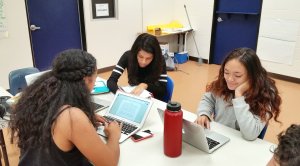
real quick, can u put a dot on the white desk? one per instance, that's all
(150, 151)
(183, 32)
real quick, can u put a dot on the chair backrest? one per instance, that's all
(17, 81)
(170, 88)
(263, 132)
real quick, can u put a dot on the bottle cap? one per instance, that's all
(173, 106)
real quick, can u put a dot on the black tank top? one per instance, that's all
(52, 156)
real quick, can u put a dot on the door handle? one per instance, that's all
(33, 27)
(219, 19)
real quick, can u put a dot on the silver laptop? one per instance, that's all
(195, 135)
(130, 110)
(100, 104)
(32, 77)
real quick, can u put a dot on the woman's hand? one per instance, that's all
(100, 120)
(113, 130)
(203, 120)
(241, 89)
(139, 89)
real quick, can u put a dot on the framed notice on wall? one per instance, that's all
(103, 9)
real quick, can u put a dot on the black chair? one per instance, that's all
(17, 80)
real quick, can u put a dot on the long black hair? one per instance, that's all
(41, 102)
(150, 44)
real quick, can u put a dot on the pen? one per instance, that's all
(120, 88)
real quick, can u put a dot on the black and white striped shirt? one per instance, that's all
(157, 88)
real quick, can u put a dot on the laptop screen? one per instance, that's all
(129, 108)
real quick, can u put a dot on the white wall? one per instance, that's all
(157, 12)
(287, 10)
(107, 39)
(16, 49)
(200, 13)
(160, 12)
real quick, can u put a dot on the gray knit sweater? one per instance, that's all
(236, 115)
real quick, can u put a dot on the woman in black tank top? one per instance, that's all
(53, 121)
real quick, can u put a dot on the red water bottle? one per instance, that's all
(173, 129)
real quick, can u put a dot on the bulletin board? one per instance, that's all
(103, 9)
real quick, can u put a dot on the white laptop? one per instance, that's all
(130, 110)
(32, 77)
(195, 135)
(100, 104)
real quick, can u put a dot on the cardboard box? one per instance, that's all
(181, 57)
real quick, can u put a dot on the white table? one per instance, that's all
(237, 151)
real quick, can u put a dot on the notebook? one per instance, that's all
(195, 135)
(99, 87)
(130, 110)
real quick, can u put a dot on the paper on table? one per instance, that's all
(144, 94)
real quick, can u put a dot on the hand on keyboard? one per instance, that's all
(126, 127)
(112, 130)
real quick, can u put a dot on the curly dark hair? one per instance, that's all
(150, 44)
(41, 102)
(287, 152)
(262, 95)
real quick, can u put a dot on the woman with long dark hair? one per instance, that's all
(54, 122)
(145, 66)
(243, 97)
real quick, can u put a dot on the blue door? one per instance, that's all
(235, 24)
(55, 26)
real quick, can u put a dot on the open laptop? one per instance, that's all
(32, 77)
(130, 110)
(195, 135)
(100, 104)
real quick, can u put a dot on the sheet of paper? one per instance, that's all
(144, 94)
(102, 9)
(98, 79)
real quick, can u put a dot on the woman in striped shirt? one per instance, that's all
(145, 66)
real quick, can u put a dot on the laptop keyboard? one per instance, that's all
(98, 107)
(212, 143)
(126, 127)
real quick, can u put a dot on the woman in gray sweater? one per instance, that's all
(243, 97)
